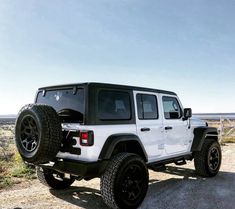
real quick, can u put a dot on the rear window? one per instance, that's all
(114, 105)
(69, 103)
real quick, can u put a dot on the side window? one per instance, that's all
(147, 106)
(114, 105)
(171, 108)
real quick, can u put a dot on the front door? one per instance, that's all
(176, 130)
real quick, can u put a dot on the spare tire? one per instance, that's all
(38, 133)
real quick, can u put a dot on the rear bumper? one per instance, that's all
(86, 170)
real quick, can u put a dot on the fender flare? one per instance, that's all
(114, 139)
(202, 133)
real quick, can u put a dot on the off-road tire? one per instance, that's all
(46, 177)
(115, 179)
(40, 123)
(201, 159)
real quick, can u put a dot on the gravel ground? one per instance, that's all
(176, 188)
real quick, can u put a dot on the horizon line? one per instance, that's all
(211, 113)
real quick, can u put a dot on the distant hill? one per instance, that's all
(215, 116)
(7, 119)
(8, 116)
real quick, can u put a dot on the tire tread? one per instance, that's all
(107, 186)
(51, 132)
(200, 159)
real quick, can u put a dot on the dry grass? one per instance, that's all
(12, 168)
(228, 137)
(228, 140)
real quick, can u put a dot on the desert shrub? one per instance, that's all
(22, 170)
(5, 182)
(6, 139)
(12, 167)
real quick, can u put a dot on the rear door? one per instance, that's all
(149, 123)
(176, 130)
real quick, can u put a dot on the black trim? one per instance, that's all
(200, 135)
(177, 160)
(168, 127)
(68, 148)
(113, 140)
(86, 170)
(91, 91)
(145, 129)
(107, 85)
(68, 142)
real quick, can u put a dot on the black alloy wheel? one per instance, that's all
(213, 158)
(131, 184)
(29, 135)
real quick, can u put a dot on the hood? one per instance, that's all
(197, 122)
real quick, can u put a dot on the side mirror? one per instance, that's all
(187, 113)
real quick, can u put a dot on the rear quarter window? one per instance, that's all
(114, 105)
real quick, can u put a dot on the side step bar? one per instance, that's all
(180, 162)
(160, 165)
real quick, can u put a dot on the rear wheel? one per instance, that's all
(207, 161)
(53, 179)
(125, 181)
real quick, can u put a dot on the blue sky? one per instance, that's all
(184, 46)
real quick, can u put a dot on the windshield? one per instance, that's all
(68, 103)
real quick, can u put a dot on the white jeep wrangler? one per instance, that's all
(115, 132)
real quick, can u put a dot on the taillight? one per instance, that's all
(86, 138)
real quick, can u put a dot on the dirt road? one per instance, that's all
(176, 188)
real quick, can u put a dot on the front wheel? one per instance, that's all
(53, 179)
(207, 161)
(125, 181)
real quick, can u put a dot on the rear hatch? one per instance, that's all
(68, 101)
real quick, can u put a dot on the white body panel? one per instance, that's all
(179, 138)
(153, 140)
(158, 143)
(101, 133)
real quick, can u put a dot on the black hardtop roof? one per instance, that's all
(119, 86)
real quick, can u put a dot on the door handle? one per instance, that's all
(168, 128)
(145, 129)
